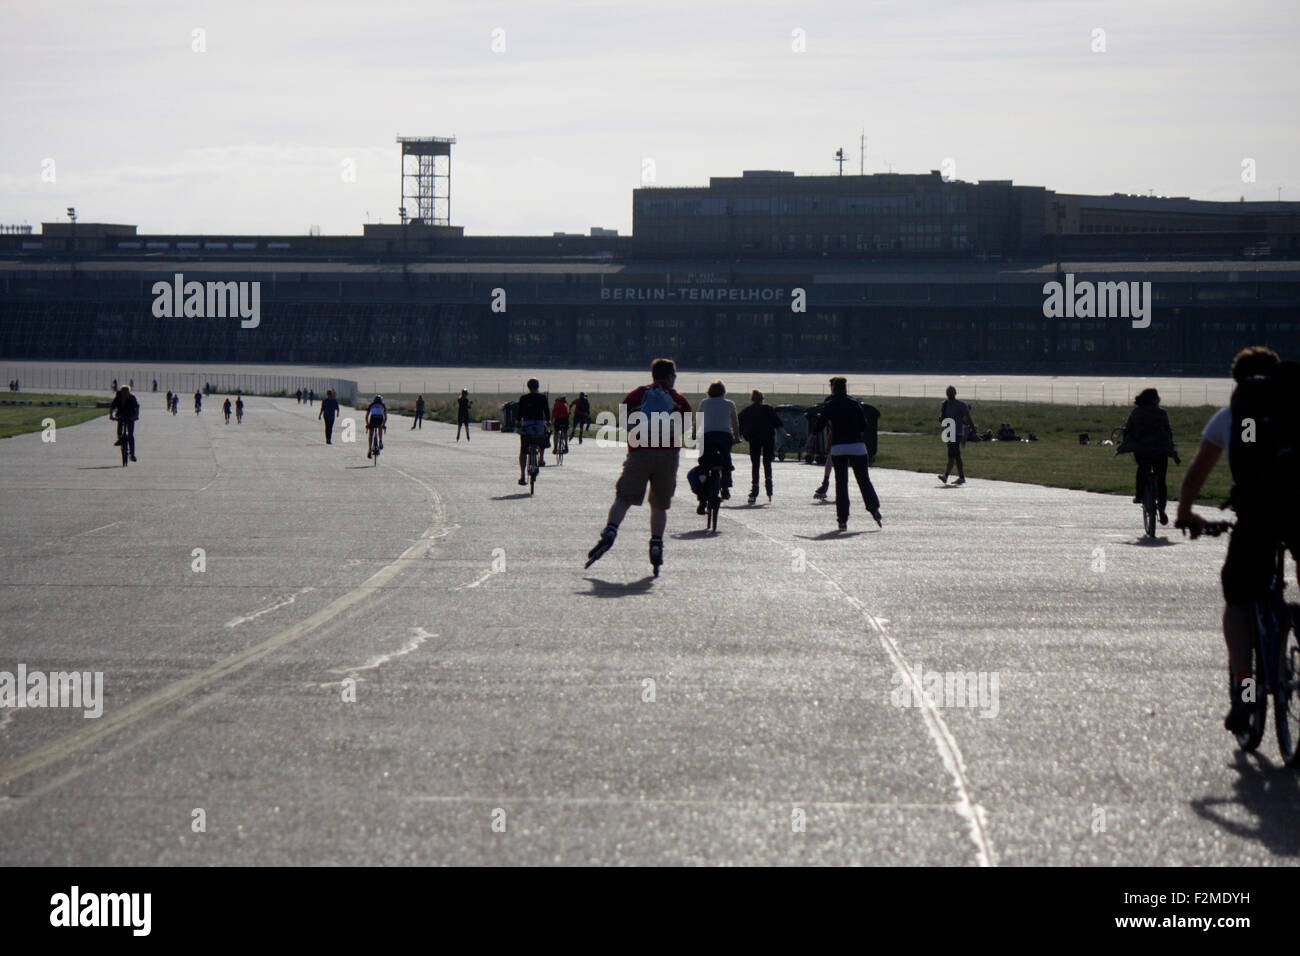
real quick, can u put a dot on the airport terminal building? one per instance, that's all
(765, 270)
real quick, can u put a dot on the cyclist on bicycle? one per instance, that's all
(560, 420)
(581, 415)
(721, 431)
(1148, 436)
(125, 409)
(1266, 515)
(376, 418)
(534, 416)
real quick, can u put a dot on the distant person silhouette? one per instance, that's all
(419, 414)
(462, 413)
(329, 410)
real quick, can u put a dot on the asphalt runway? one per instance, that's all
(752, 705)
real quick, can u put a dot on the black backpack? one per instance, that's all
(1264, 444)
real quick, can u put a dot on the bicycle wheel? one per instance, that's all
(1250, 739)
(1286, 694)
(715, 500)
(1149, 508)
(121, 436)
(532, 469)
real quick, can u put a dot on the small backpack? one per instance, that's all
(1264, 444)
(656, 398)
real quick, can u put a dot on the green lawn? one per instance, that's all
(1056, 459)
(19, 419)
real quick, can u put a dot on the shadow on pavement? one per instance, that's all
(1151, 542)
(692, 535)
(828, 535)
(1267, 791)
(520, 494)
(615, 589)
(97, 467)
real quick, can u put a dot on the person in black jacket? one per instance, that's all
(759, 424)
(849, 432)
(125, 408)
(1149, 437)
(462, 413)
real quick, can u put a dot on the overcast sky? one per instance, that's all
(251, 135)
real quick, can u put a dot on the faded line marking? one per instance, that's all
(474, 584)
(110, 724)
(103, 527)
(945, 743)
(267, 610)
(421, 635)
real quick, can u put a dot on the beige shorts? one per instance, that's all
(658, 468)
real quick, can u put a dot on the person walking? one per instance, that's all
(239, 410)
(649, 461)
(849, 432)
(419, 414)
(298, 395)
(955, 421)
(462, 413)
(225, 408)
(329, 410)
(759, 424)
(198, 401)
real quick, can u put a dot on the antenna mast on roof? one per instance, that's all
(839, 158)
(862, 154)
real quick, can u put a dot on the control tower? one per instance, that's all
(426, 180)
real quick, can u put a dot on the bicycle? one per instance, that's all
(561, 446)
(122, 440)
(376, 443)
(1275, 660)
(712, 498)
(533, 467)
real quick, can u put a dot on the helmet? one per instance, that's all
(379, 399)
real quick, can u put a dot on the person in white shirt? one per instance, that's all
(718, 420)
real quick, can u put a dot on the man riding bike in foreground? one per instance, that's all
(1267, 514)
(125, 409)
(534, 416)
(376, 417)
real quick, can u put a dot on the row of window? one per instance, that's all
(800, 205)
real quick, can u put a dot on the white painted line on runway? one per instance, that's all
(100, 528)
(944, 742)
(474, 584)
(132, 714)
(421, 635)
(267, 610)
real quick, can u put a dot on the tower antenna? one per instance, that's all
(839, 158)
